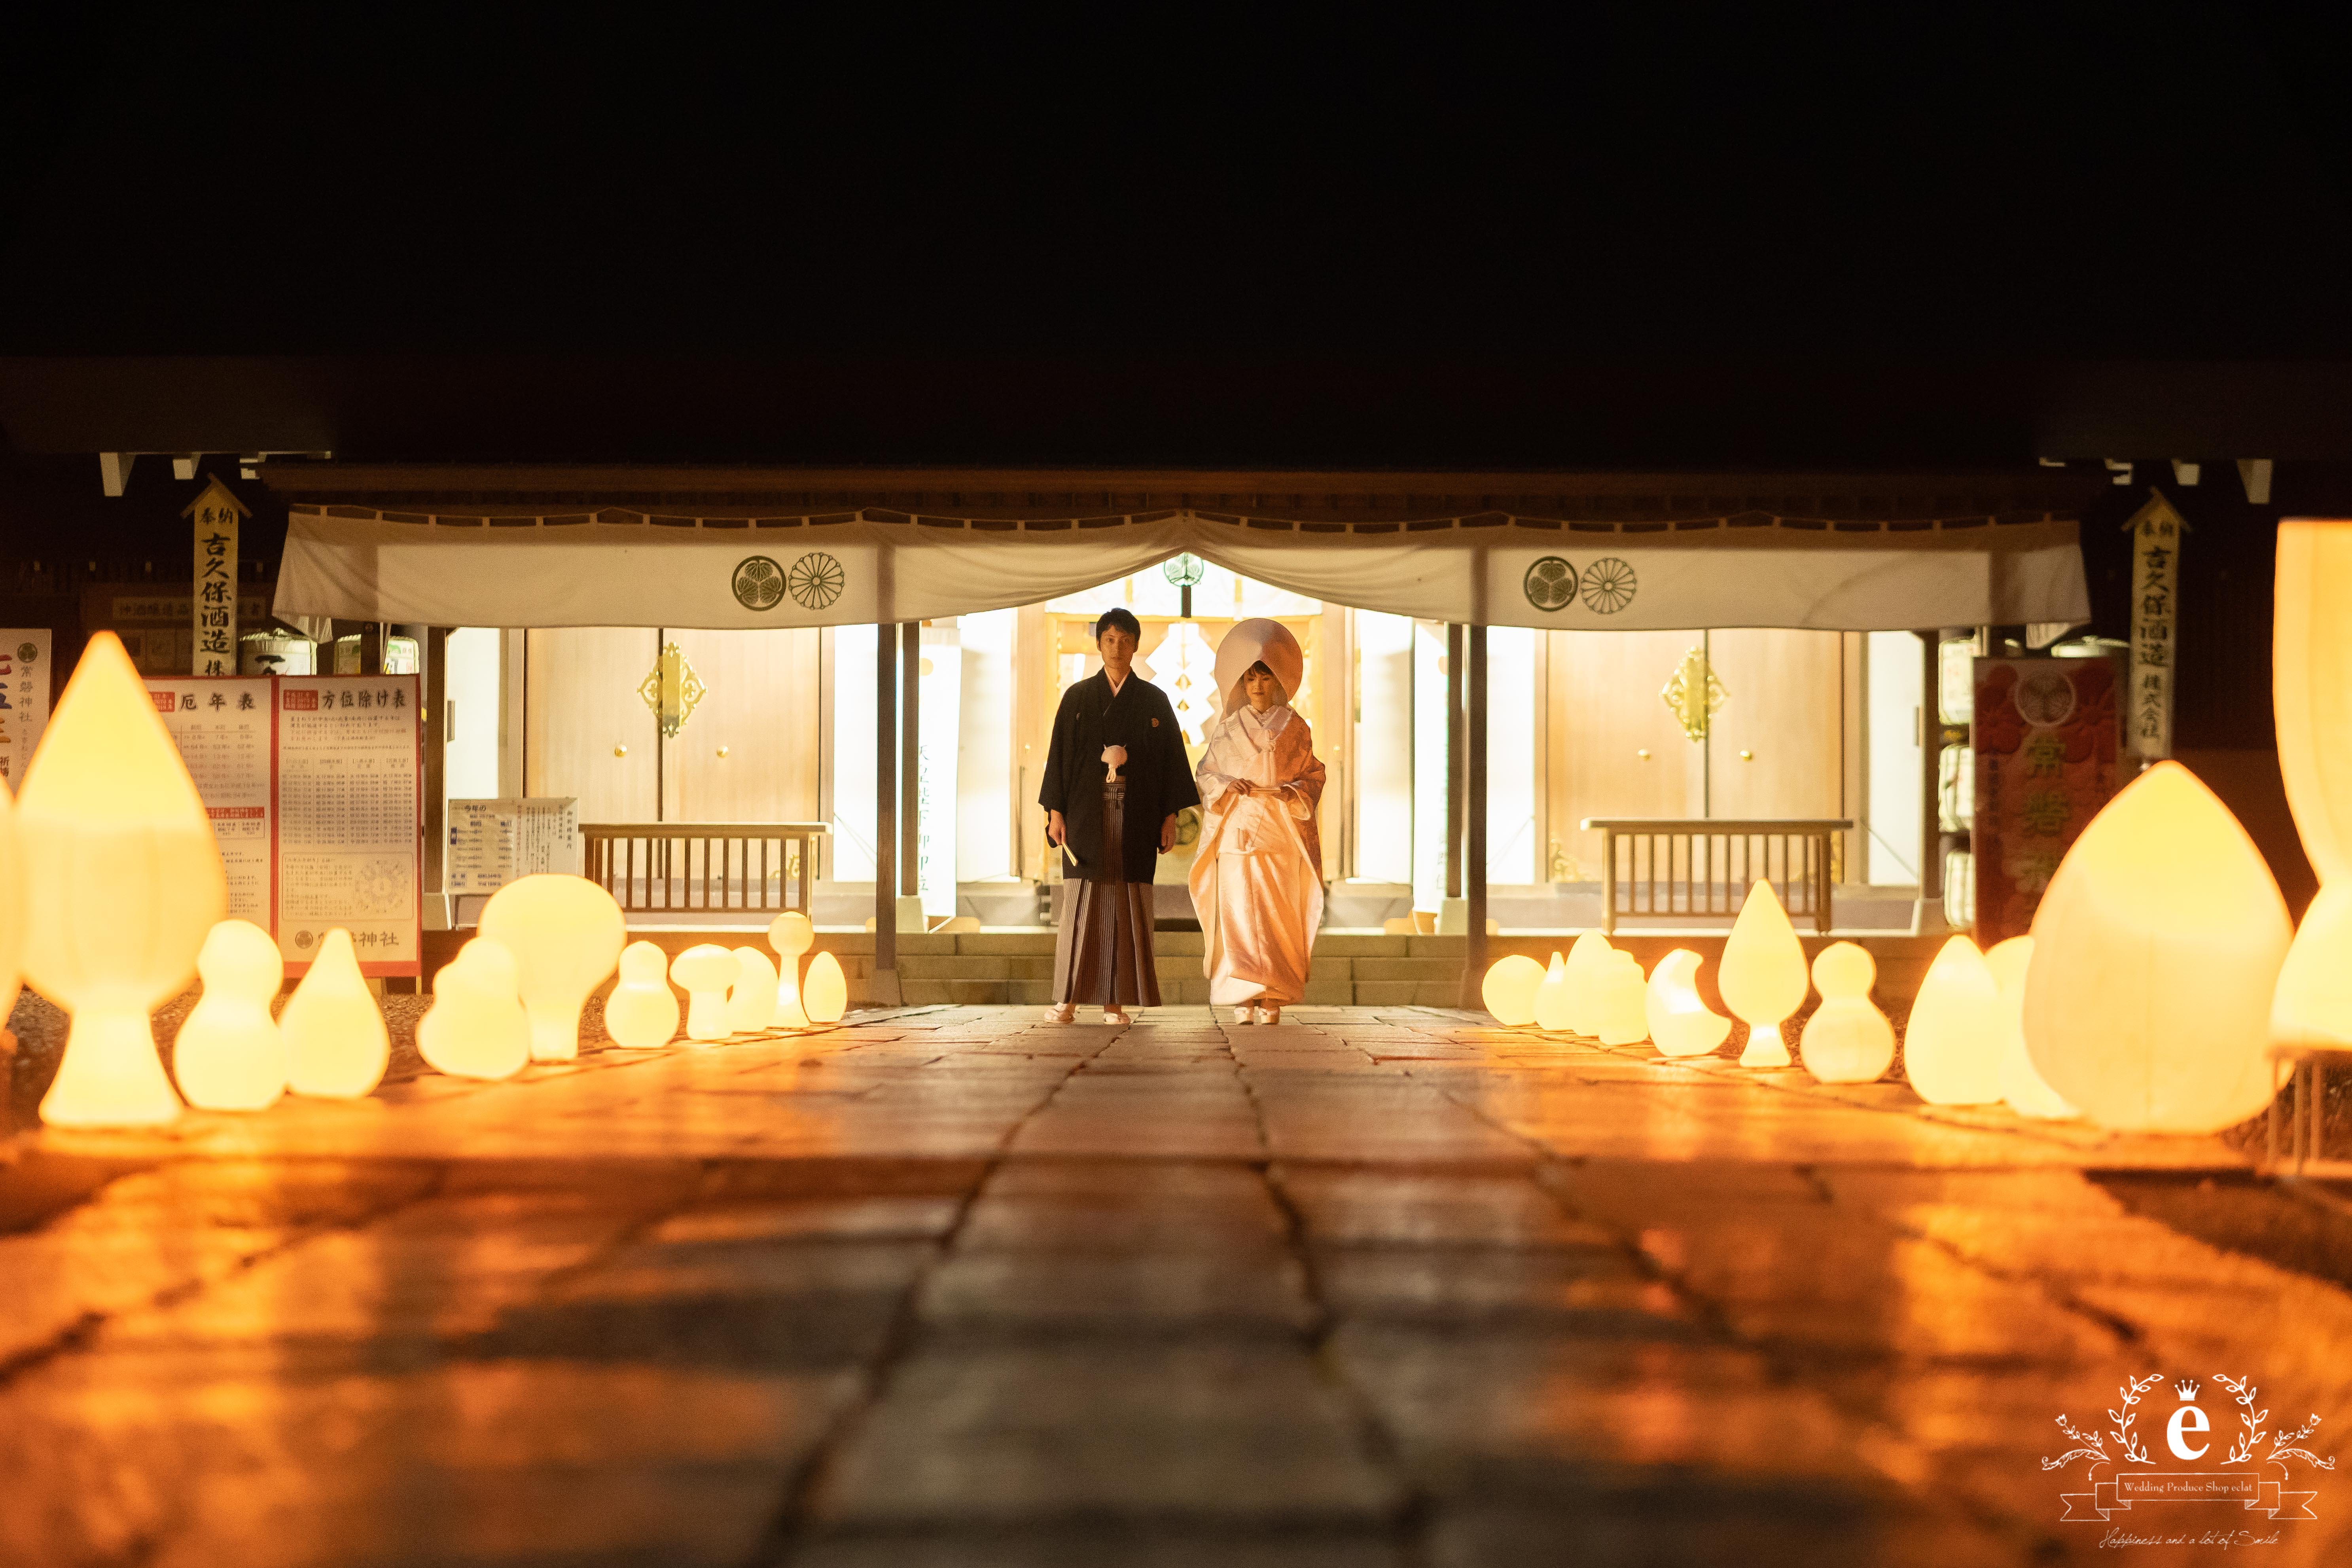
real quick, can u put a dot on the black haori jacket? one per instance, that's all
(1158, 779)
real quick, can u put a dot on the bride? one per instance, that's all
(1257, 874)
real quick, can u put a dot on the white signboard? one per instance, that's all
(214, 515)
(493, 842)
(2158, 532)
(349, 791)
(228, 731)
(24, 698)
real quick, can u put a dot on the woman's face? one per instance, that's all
(1260, 687)
(1118, 646)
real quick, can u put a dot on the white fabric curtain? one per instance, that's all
(1511, 574)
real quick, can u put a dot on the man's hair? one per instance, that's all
(1124, 619)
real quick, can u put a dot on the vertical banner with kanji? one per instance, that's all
(2157, 533)
(24, 698)
(214, 515)
(2047, 759)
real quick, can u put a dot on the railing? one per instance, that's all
(1700, 867)
(748, 866)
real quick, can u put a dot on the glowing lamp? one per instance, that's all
(1762, 975)
(2311, 687)
(642, 1010)
(1680, 1024)
(336, 1043)
(229, 1055)
(1509, 990)
(752, 1005)
(790, 934)
(1588, 960)
(477, 1026)
(2157, 951)
(1552, 998)
(566, 933)
(1951, 1045)
(704, 973)
(2021, 1085)
(1624, 1015)
(1847, 1039)
(120, 860)
(825, 994)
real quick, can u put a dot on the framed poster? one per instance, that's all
(24, 698)
(2048, 740)
(227, 731)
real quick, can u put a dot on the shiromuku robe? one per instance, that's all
(1257, 871)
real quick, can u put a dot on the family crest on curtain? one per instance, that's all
(1257, 872)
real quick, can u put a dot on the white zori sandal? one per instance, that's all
(1270, 1014)
(1067, 1013)
(1114, 1016)
(1241, 1014)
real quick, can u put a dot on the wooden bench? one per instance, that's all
(1700, 867)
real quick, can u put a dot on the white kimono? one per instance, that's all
(1257, 873)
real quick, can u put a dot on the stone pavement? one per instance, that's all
(953, 1287)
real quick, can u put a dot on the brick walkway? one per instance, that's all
(950, 1286)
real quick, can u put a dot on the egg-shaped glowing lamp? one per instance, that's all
(2157, 952)
(477, 1026)
(2021, 1085)
(12, 907)
(1552, 998)
(566, 933)
(1681, 1023)
(119, 862)
(1625, 1000)
(790, 934)
(229, 1055)
(1762, 975)
(2311, 689)
(752, 1005)
(336, 1044)
(704, 971)
(641, 1011)
(1952, 1043)
(824, 993)
(1509, 989)
(1588, 960)
(1847, 1039)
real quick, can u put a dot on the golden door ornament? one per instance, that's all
(672, 690)
(1695, 695)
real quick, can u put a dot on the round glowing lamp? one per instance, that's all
(1509, 990)
(1847, 1039)
(566, 935)
(642, 1010)
(752, 1005)
(2157, 952)
(1681, 1023)
(1762, 975)
(336, 1044)
(1624, 995)
(2311, 687)
(1952, 1043)
(790, 934)
(120, 860)
(825, 994)
(1588, 962)
(2021, 1085)
(477, 1026)
(1552, 998)
(229, 1055)
(704, 972)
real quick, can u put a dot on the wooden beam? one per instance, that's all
(885, 810)
(911, 766)
(1474, 963)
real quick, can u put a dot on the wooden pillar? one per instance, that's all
(910, 774)
(434, 721)
(1473, 965)
(1454, 791)
(885, 813)
(1931, 755)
